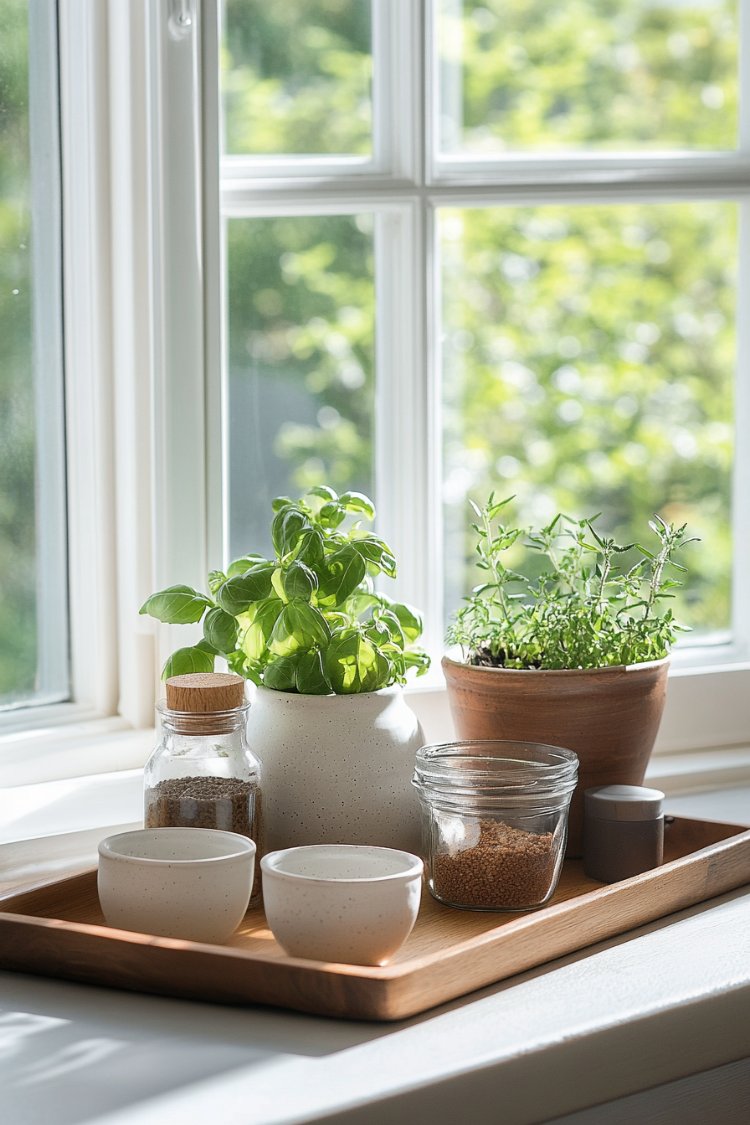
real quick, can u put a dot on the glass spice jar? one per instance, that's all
(494, 819)
(203, 773)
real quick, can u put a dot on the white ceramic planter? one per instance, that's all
(337, 769)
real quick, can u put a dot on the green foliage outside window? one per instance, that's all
(589, 351)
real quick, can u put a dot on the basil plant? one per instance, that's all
(308, 620)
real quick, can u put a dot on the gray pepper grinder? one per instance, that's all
(623, 831)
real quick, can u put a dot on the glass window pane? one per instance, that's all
(520, 75)
(33, 576)
(589, 356)
(301, 344)
(297, 77)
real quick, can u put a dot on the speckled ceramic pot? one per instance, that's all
(337, 768)
(191, 883)
(340, 902)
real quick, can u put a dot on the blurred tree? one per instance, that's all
(297, 77)
(589, 351)
(588, 366)
(603, 74)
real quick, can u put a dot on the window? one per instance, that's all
(556, 192)
(33, 551)
(424, 248)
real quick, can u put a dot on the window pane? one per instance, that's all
(589, 356)
(33, 579)
(301, 343)
(297, 77)
(602, 74)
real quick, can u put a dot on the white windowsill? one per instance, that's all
(688, 758)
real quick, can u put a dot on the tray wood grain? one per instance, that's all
(57, 930)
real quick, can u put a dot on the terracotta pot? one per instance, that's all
(337, 769)
(608, 716)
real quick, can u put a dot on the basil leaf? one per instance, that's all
(354, 664)
(324, 492)
(376, 551)
(360, 602)
(281, 674)
(250, 669)
(287, 527)
(299, 581)
(197, 658)
(298, 626)
(310, 548)
(409, 619)
(262, 618)
(341, 661)
(310, 622)
(387, 619)
(331, 515)
(220, 630)
(177, 605)
(357, 502)
(216, 578)
(242, 565)
(416, 659)
(344, 570)
(310, 676)
(238, 594)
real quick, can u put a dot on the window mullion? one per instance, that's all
(178, 284)
(87, 282)
(407, 484)
(214, 295)
(403, 440)
(741, 473)
(52, 578)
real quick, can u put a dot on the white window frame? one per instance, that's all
(108, 374)
(415, 185)
(46, 343)
(85, 325)
(143, 330)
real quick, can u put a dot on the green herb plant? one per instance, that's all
(307, 620)
(589, 607)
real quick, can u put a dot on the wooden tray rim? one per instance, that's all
(529, 919)
(392, 992)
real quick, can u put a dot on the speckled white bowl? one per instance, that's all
(341, 902)
(191, 883)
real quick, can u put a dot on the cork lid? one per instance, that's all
(204, 692)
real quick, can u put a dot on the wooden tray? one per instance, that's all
(57, 930)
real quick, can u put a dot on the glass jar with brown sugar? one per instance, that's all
(494, 818)
(203, 773)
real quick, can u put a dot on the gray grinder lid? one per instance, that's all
(623, 802)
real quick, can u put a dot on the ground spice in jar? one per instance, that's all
(226, 803)
(507, 868)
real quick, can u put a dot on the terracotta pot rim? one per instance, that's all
(562, 673)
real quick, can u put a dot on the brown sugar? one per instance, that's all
(507, 868)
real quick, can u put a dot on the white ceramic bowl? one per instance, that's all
(341, 902)
(191, 883)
